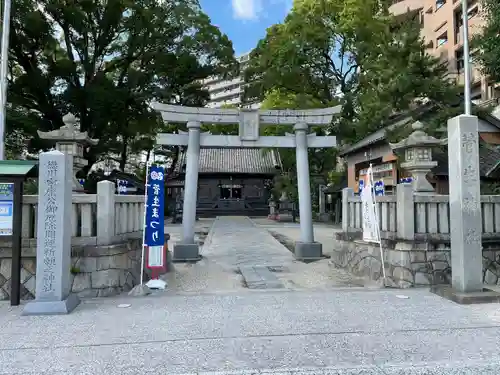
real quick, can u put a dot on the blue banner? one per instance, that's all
(154, 234)
(122, 186)
(406, 180)
(379, 188)
(361, 186)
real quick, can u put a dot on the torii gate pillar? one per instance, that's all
(249, 121)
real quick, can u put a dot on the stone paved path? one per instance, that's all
(240, 254)
(236, 242)
(202, 277)
(316, 275)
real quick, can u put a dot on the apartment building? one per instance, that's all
(442, 30)
(228, 92)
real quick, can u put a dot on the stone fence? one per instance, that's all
(106, 244)
(415, 233)
(97, 219)
(408, 216)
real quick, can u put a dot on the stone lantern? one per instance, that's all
(71, 141)
(418, 161)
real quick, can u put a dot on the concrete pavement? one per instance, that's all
(343, 331)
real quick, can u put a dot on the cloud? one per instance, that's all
(252, 10)
(246, 9)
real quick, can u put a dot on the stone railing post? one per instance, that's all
(405, 208)
(105, 212)
(346, 194)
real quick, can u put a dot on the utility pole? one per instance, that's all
(4, 62)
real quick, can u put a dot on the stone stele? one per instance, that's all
(53, 253)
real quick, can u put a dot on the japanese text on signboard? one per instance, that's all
(6, 209)
(155, 231)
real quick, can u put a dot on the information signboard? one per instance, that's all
(6, 209)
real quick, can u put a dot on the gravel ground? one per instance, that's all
(228, 248)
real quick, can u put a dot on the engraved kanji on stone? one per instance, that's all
(469, 141)
(472, 236)
(48, 281)
(470, 205)
(51, 168)
(470, 173)
(50, 222)
(50, 262)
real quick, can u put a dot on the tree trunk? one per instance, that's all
(175, 159)
(123, 154)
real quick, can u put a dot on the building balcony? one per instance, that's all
(400, 7)
(220, 85)
(225, 94)
(220, 103)
(474, 78)
(475, 25)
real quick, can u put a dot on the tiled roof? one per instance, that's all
(395, 121)
(489, 159)
(404, 119)
(235, 160)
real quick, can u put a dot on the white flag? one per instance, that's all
(370, 219)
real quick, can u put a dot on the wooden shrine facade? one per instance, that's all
(232, 181)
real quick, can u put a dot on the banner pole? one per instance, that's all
(144, 221)
(377, 226)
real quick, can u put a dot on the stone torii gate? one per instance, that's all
(249, 122)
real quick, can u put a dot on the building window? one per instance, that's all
(442, 39)
(472, 12)
(440, 3)
(230, 193)
(459, 58)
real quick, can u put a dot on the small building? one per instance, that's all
(231, 181)
(375, 150)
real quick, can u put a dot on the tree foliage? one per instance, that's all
(488, 41)
(105, 62)
(321, 160)
(354, 52)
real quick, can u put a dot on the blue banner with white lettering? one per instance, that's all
(361, 185)
(155, 226)
(122, 186)
(406, 180)
(379, 188)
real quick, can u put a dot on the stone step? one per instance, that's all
(260, 277)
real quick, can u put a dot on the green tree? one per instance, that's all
(321, 161)
(487, 41)
(354, 52)
(105, 62)
(225, 129)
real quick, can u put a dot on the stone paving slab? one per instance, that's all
(204, 276)
(260, 277)
(235, 241)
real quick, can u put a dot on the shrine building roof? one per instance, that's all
(234, 160)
